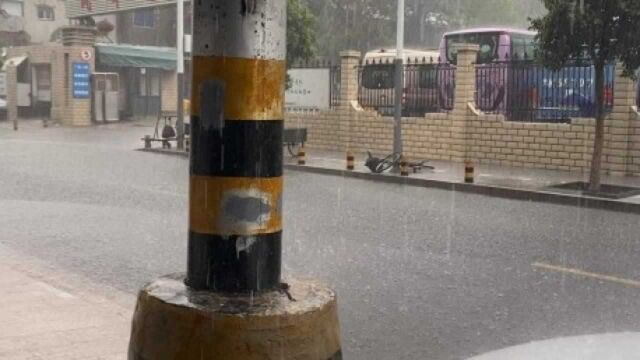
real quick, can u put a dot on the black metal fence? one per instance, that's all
(526, 91)
(335, 85)
(428, 86)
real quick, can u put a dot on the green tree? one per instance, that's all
(605, 31)
(301, 38)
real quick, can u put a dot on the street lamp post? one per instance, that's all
(399, 84)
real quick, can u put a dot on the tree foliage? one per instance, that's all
(603, 31)
(301, 38)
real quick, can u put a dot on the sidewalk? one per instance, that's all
(492, 180)
(489, 177)
(46, 314)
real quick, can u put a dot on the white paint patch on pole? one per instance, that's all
(253, 29)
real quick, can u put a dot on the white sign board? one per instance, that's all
(24, 94)
(309, 91)
(3, 84)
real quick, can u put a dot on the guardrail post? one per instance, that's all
(232, 303)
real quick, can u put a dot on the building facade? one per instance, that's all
(42, 18)
(144, 55)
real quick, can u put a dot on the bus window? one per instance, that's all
(517, 47)
(488, 42)
(522, 46)
(378, 76)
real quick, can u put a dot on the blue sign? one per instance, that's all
(81, 80)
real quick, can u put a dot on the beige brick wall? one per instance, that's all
(64, 108)
(487, 139)
(73, 112)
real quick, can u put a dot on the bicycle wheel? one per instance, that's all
(387, 163)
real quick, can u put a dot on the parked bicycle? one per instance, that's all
(380, 165)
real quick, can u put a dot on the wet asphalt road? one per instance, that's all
(421, 273)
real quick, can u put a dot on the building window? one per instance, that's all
(144, 18)
(45, 13)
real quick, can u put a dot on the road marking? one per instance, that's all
(587, 274)
(55, 291)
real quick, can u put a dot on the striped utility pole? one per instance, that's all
(235, 213)
(232, 303)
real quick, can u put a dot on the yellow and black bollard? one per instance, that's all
(302, 156)
(232, 303)
(469, 172)
(351, 161)
(404, 166)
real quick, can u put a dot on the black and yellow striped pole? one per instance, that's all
(235, 212)
(351, 161)
(302, 156)
(469, 171)
(232, 303)
(404, 166)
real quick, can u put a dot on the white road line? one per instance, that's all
(587, 274)
(55, 291)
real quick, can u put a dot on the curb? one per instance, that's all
(171, 152)
(489, 190)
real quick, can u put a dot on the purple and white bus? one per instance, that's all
(526, 90)
(496, 44)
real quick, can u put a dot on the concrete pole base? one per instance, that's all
(172, 322)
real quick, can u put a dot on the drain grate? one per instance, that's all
(606, 191)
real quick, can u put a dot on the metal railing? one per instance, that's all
(335, 85)
(428, 87)
(526, 91)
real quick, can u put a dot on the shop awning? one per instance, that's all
(15, 61)
(136, 56)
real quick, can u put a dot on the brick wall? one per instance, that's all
(64, 108)
(464, 133)
(634, 148)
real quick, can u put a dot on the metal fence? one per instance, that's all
(428, 87)
(526, 91)
(335, 85)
